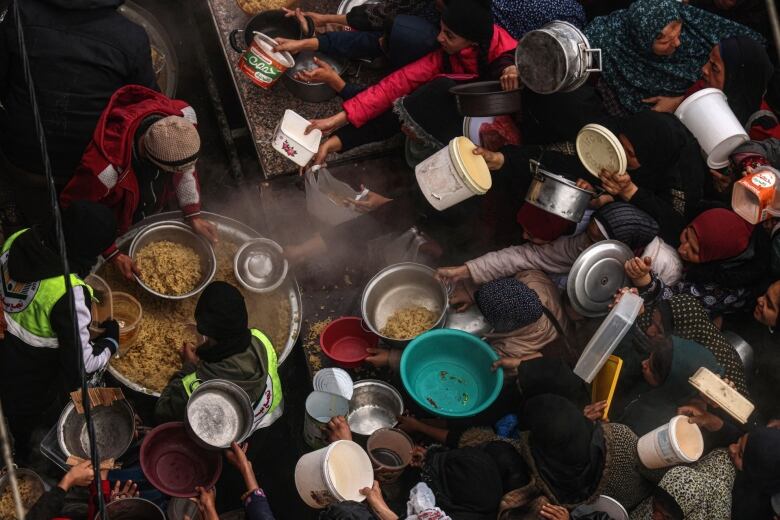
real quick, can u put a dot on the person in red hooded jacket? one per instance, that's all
(472, 47)
(142, 154)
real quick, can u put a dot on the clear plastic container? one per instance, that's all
(607, 336)
(128, 313)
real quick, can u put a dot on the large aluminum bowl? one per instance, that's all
(260, 266)
(40, 487)
(179, 233)
(401, 286)
(114, 430)
(131, 508)
(218, 413)
(374, 405)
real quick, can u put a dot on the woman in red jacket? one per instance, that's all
(472, 47)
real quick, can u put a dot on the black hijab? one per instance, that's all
(658, 139)
(760, 475)
(221, 315)
(747, 74)
(547, 375)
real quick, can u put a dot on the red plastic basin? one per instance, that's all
(346, 342)
(175, 465)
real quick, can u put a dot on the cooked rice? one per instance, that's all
(258, 6)
(30, 490)
(169, 268)
(154, 358)
(408, 323)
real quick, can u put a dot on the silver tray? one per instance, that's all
(235, 231)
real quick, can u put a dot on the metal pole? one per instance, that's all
(771, 11)
(9, 464)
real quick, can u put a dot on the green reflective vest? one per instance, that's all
(28, 305)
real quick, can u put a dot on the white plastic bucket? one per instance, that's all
(453, 174)
(709, 118)
(676, 442)
(321, 407)
(290, 140)
(333, 474)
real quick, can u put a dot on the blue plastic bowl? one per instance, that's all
(447, 372)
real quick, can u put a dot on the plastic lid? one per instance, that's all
(475, 169)
(334, 381)
(599, 149)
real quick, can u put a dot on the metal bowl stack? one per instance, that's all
(218, 413)
(114, 430)
(260, 265)
(179, 233)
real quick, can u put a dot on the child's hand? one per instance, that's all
(638, 270)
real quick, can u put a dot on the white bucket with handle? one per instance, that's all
(333, 474)
(321, 407)
(710, 119)
(676, 442)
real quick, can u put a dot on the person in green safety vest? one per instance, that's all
(38, 363)
(232, 351)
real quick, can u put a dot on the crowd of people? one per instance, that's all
(119, 150)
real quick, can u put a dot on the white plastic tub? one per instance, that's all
(709, 118)
(333, 474)
(290, 140)
(321, 407)
(676, 442)
(453, 174)
(607, 336)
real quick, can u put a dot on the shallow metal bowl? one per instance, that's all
(40, 486)
(132, 508)
(180, 233)
(374, 405)
(114, 430)
(218, 413)
(260, 265)
(398, 287)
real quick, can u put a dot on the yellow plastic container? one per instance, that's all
(605, 382)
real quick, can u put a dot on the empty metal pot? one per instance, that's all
(311, 92)
(486, 98)
(557, 195)
(374, 405)
(114, 430)
(218, 413)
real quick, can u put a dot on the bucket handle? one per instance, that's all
(590, 53)
(233, 39)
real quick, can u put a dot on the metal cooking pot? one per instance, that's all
(556, 58)
(399, 286)
(273, 24)
(132, 508)
(219, 412)
(557, 195)
(311, 92)
(5, 480)
(114, 430)
(374, 405)
(485, 98)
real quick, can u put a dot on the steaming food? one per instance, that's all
(258, 6)
(154, 358)
(408, 322)
(169, 268)
(29, 488)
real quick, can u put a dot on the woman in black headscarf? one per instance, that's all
(756, 456)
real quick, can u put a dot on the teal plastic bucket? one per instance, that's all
(447, 372)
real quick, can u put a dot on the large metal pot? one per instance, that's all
(273, 24)
(114, 430)
(218, 413)
(38, 484)
(556, 58)
(311, 92)
(374, 405)
(486, 98)
(557, 195)
(132, 508)
(401, 286)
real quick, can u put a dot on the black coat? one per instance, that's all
(81, 52)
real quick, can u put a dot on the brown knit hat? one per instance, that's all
(172, 143)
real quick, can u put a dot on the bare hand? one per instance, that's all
(188, 353)
(664, 103)
(338, 429)
(460, 299)
(509, 365)
(553, 512)
(453, 275)
(409, 424)
(205, 228)
(327, 125)
(585, 185)
(510, 79)
(294, 46)
(720, 182)
(494, 160)
(298, 14)
(125, 265)
(595, 411)
(418, 456)
(619, 296)
(378, 357)
(701, 417)
(618, 184)
(80, 475)
(368, 203)
(206, 500)
(236, 456)
(638, 270)
(374, 496)
(323, 73)
(128, 490)
(332, 144)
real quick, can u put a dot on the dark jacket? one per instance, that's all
(80, 52)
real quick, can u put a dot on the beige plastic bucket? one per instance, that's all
(390, 451)
(453, 174)
(333, 474)
(677, 442)
(321, 407)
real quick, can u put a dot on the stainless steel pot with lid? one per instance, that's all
(557, 195)
(556, 58)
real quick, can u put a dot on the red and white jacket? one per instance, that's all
(106, 174)
(379, 98)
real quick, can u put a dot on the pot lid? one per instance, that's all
(334, 381)
(475, 168)
(599, 149)
(595, 277)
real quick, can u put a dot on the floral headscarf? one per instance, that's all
(626, 38)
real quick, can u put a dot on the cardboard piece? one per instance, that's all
(97, 397)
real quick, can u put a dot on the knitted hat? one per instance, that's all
(626, 223)
(542, 224)
(469, 19)
(508, 304)
(722, 234)
(172, 143)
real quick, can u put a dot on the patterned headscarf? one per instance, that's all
(626, 38)
(520, 16)
(626, 223)
(508, 304)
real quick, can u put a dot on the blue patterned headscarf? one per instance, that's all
(626, 38)
(521, 16)
(508, 304)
